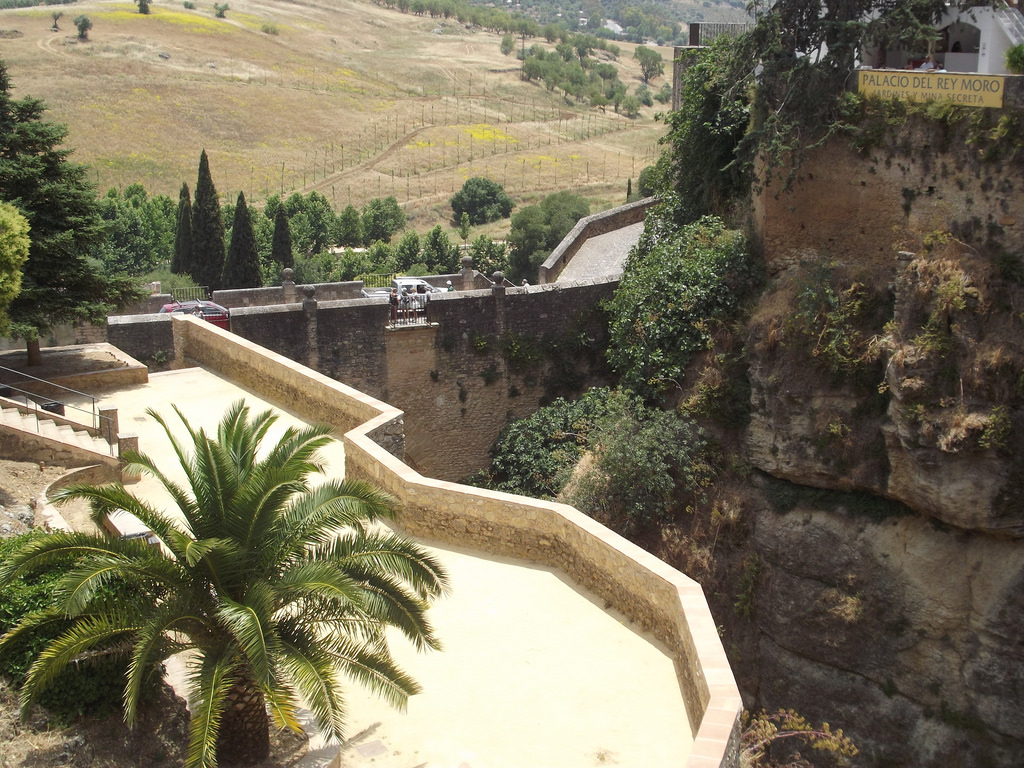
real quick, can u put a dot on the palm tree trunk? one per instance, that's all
(244, 736)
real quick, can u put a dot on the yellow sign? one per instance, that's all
(917, 85)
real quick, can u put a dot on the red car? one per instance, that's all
(208, 310)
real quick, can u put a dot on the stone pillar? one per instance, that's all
(108, 425)
(498, 293)
(309, 307)
(127, 441)
(288, 286)
(467, 274)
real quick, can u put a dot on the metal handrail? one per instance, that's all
(97, 420)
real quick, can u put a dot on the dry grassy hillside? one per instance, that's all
(347, 97)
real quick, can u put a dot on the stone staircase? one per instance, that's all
(46, 437)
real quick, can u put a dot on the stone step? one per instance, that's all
(64, 433)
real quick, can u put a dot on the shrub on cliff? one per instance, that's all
(675, 292)
(648, 464)
(534, 456)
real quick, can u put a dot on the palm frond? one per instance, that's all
(314, 518)
(208, 688)
(151, 645)
(54, 549)
(86, 633)
(373, 667)
(283, 705)
(387, 602)
(313, 672)
(388, 553)
(251, 626)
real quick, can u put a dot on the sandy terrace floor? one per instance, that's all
(534, 671)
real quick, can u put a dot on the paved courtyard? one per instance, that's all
(534, 672)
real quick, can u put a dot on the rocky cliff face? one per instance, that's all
(887, 396)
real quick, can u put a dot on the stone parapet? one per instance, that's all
(653, 594)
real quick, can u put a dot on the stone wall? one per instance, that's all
(648, 591)
(485, 352)
(141, 336)
(591, 226)
(864, 206)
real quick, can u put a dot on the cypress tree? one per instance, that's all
(242, 266)
(183, 262)
(281, 248)
(207, 230)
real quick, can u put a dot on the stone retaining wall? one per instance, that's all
(647, 590)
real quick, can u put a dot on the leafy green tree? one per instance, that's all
(527, 241)
(56, 16)
(140, 230)
(207, 230)
(464, 227)
(277, 583)
(439, 252)
(381, 219)
(537, 230)
(489, 256)
(220, 10)
(83, 25)
(242, 265)
(678, 287)
(408, 251)
(350, 228)
(508, 44)
(651, 63)
(312, 222)
(484, 200)
(382, 257)
(143, 6)
(183, 262)
(60, 282)
(630, 106)
(648, 465)
(14, 245)
(647, 182)
(281, 251)
(535, 456)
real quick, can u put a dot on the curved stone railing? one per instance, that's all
(651, 593)
(587, 227)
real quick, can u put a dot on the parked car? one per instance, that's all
(414, 285)
(208, 310)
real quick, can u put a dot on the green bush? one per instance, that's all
(94, 688)
(648, 465)
(534, 456)
(677, 288)
(1015, 59)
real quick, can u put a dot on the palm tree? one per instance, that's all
(277, 585)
